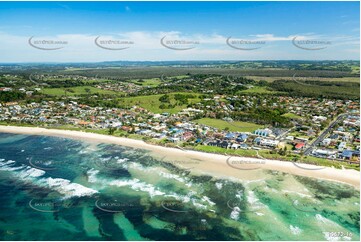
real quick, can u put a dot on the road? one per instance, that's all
(31, 79)
(309, 149)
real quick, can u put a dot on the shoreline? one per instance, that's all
(202, 162)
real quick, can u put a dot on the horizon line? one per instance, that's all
(158, 61)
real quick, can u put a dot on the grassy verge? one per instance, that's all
(268, 155)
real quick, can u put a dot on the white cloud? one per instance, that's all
(82, 48)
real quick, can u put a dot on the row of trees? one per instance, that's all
(11, 96)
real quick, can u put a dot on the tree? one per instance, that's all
(111, 130)
(164, 99)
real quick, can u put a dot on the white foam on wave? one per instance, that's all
(295, 230)
(298, 193)
(63, 186)
(7, 166)
(254, 201)
(204, 203)
(138, 166)
(67, 188)
(166, 175)
(239, 195)
(322, 219)
(208, 200)
(179, 197)
(198, 204)
(219, 185)
(31, 172)
(172, 176)
(134, 183)
(235, 213)
(248, 182)
(11, 168)
(2, 163)
(23, 171)
(137, 185)
(92, 175)
(119, 161)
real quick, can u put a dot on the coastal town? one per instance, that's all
(323, 128)
(180, 120)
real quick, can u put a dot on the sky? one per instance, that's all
(161, 31)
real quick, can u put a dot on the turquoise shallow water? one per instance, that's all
(62, 189)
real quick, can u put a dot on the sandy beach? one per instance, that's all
(239, 168)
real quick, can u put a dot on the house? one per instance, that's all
(242, 138)
(319, 118)
(263, 132)
(213, 143)
(326, 142)
(230, 135)
(187, 135)
(126, 128)
(29, 93)
(342, 146)
(302, 140)
(324, 153)
(244, 146)
(341, 129)
(224, 144)
(291, 138)
(334, 136)
(235, 146)
(346, 154)
(257, 140)
(299, 146)
(269, 142)
(173, 139)
(356, 153)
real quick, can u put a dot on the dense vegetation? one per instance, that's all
(337, 90)
(11, 96)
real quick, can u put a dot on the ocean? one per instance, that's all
(63, 189)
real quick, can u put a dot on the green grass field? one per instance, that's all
(76, 91)
(152, 82)
(233, 126)
(152, 103)
(258, 90)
